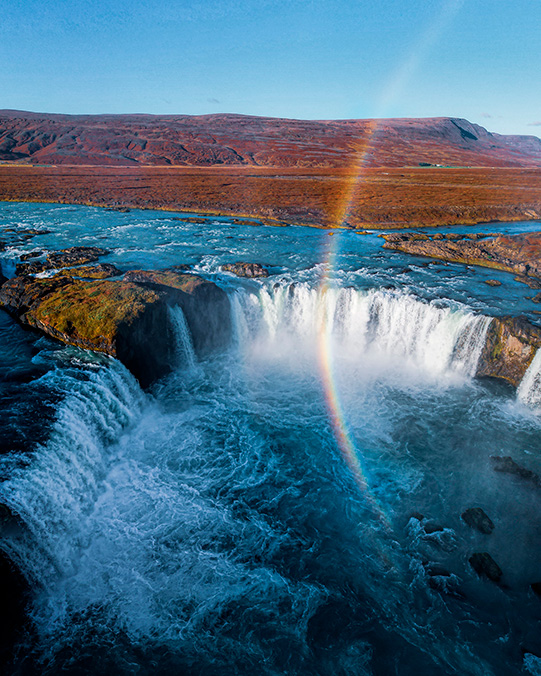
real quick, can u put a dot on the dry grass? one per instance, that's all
(377, 198)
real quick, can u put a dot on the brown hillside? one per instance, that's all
(183, 140)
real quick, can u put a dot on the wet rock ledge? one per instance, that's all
(126, 318)
(510, 346)
(520, 254)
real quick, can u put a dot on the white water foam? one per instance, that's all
(529, 389)
(365, 326)
(183, 339)
(54, 489)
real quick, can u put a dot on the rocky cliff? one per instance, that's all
(127, 319)
(510, 346)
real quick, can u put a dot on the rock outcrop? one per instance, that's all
(510, 346)
(246, 269)
(75, 255)
(206, 307)
(127, 319)
(520, 254)
(476, 518)
(485, 566)
(506, 465)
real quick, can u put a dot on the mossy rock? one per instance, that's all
(205, 305)
(510, 346)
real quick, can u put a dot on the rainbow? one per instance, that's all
(332, 398)
(397, 83)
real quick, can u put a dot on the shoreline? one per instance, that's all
(368, 227)
(379, 199)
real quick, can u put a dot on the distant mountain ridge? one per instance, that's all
(237, 140)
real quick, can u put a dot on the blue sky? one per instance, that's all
(319, 59)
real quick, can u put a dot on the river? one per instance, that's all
(292, 506)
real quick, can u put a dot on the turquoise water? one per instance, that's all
(216, 524)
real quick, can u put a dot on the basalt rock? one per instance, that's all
(100, 271)
(520, 254)
(510, 346)
(206, 307)
(114, 317)
(246, 269)
(33, 268)
(126, 319)
(476, 518)
(506, 465)
(485, 566)
(14, 594)
(31, 254)
(75, 255)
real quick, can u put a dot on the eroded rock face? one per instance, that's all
(118, 318)
(246, 269)
(127, 319)
(206, 307)
(510, 346)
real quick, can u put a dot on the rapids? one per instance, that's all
(259, 511)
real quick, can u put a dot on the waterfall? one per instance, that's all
(183, 339)
(364, 325)
(470, 344)
(51, 491)
(529, 389)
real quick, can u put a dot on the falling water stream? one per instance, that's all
(217, 524)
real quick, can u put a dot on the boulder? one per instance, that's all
(510, 346)
(75, 255)
(475, 517)
(31, 268)
(485, 566)
(493, 282)
(536, 588)
(507, 465)
(246, 269)
(31, 254)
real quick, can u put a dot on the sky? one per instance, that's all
(308, 59)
